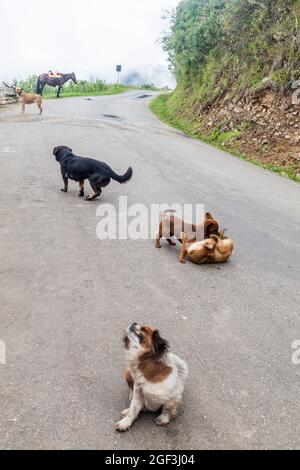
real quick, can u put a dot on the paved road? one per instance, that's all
(65, 296)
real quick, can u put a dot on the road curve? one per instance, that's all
(66, 297)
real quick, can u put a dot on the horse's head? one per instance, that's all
(73, 77)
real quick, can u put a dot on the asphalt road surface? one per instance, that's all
(66, 296)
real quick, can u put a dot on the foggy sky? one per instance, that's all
(88, 37)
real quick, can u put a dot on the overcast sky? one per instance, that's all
(87, 37)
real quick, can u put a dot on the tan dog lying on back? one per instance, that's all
(171, 226)
(29, 98)
(216, 249)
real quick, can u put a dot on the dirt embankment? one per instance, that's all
(263, 126)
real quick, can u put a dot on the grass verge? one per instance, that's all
(108, 90)
(160, 107)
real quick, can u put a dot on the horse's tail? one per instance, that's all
(39, 86)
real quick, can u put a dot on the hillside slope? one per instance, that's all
(237, 63)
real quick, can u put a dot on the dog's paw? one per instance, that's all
(125, 413)
(157, 245)
(123, 425)
(64, 190)
(81, 194)
(162, 420)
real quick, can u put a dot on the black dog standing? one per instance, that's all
(79, 169)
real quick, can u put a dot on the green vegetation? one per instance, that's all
(94, 87)
(221, 51)
(82, 88)
(76, 91)
(220, 45)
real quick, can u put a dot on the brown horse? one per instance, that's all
(59, 82)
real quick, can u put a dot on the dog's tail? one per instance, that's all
(122, 178)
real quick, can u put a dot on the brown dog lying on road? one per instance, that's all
(171, 226)
(216, 249)
(29, 98)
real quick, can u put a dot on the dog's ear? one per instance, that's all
(160, 345)
(210, 243)
(61, 147)
(211, 227)
(216, 238)
(126, 341)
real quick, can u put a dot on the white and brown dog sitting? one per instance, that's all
(216, 249)
(155, 376)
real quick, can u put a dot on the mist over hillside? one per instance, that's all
(159, 75)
